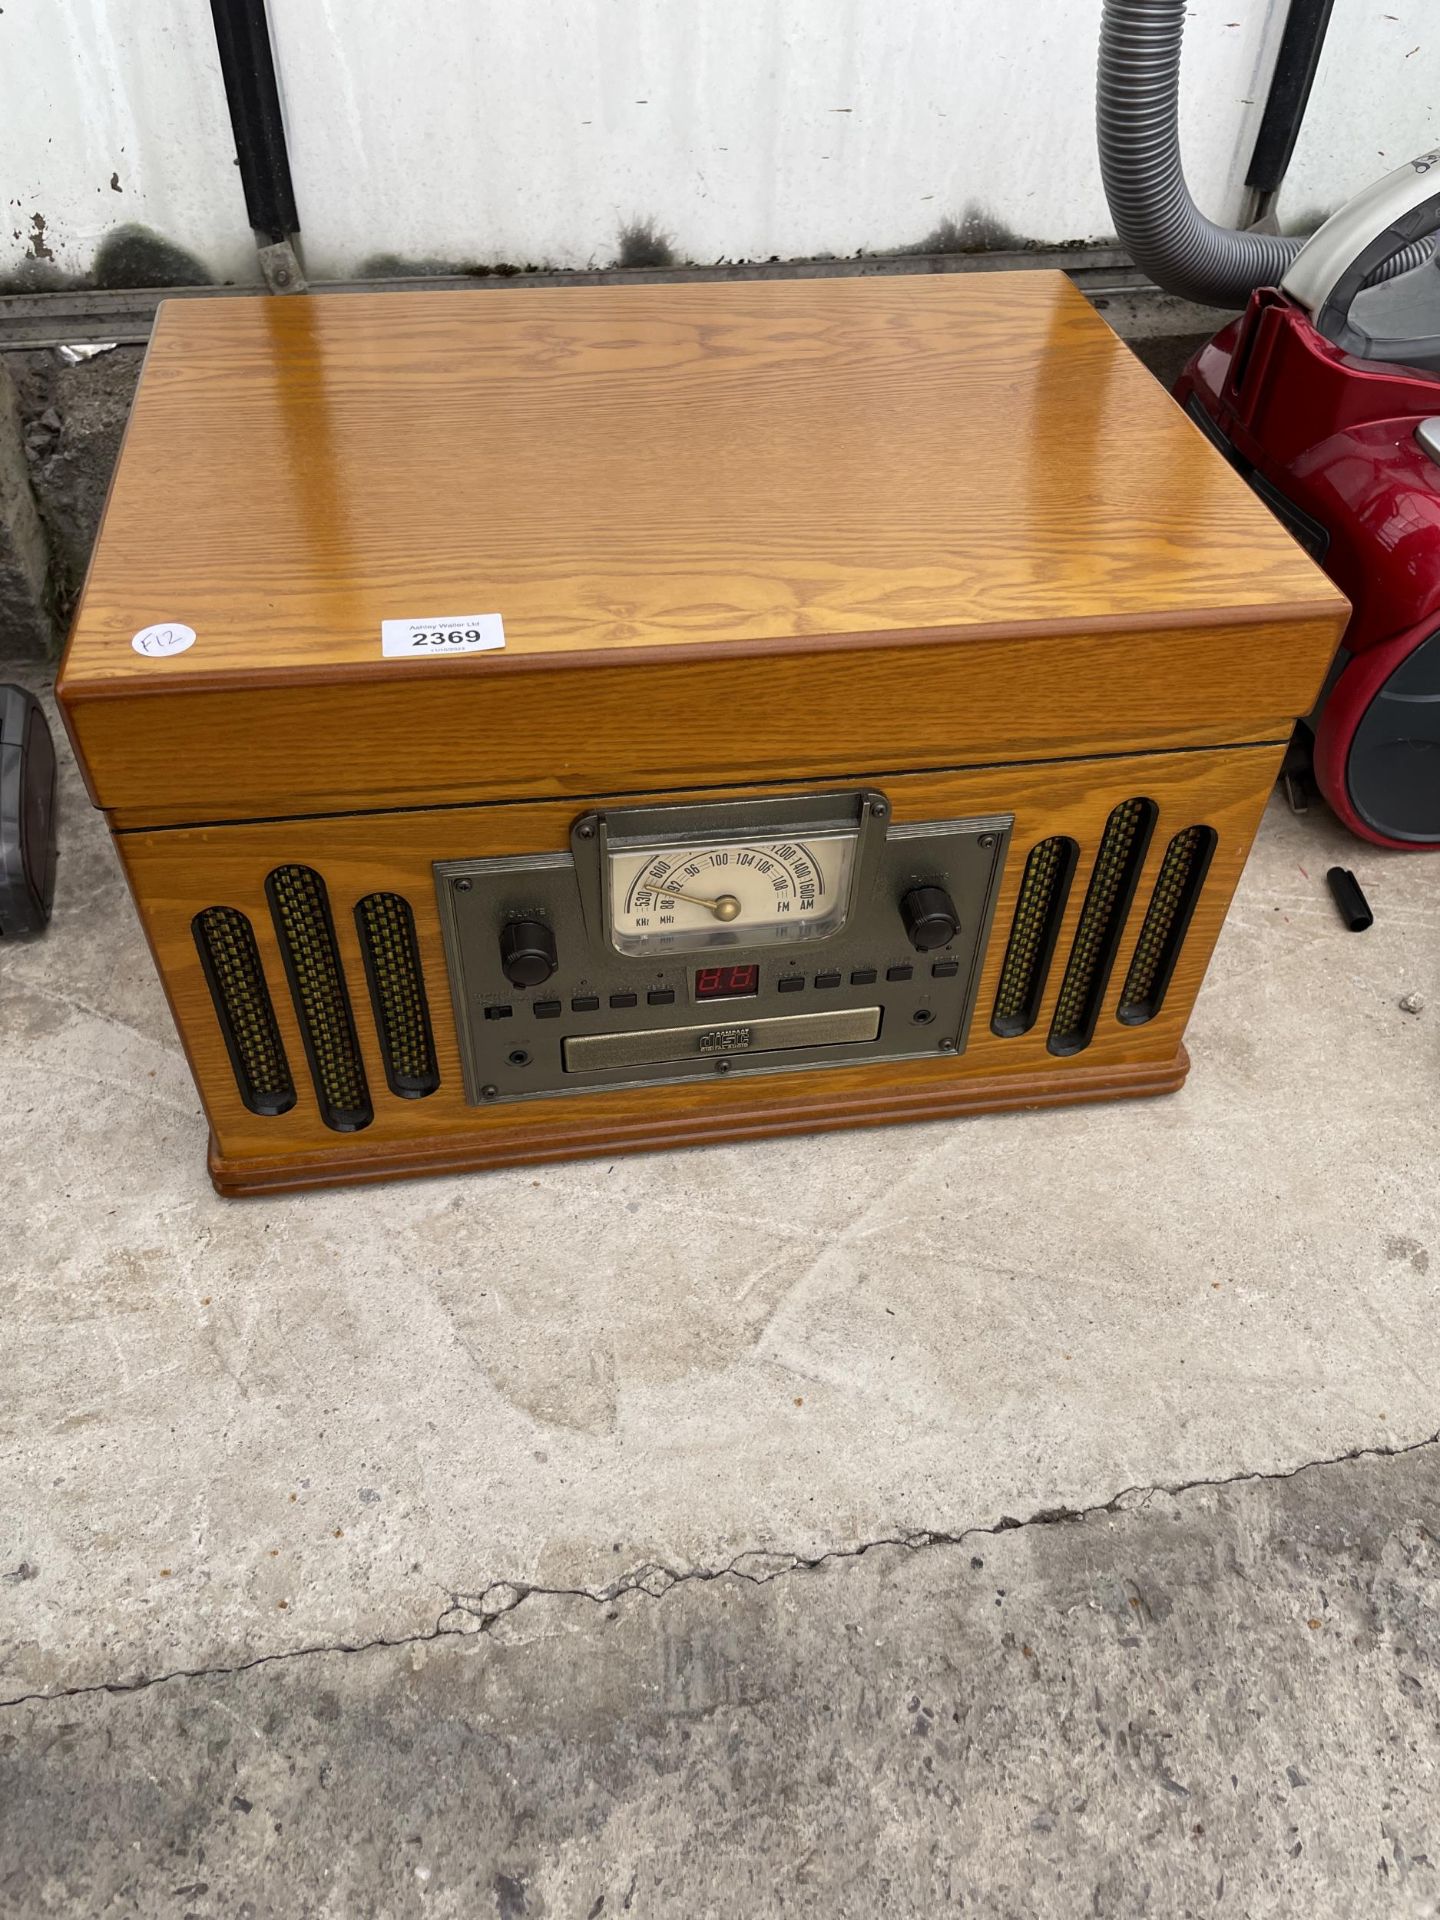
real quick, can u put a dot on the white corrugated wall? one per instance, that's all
(112, 114)
(538, 132)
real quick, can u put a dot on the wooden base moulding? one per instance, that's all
(808, 1107)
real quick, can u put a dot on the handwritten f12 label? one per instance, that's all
(159, 642)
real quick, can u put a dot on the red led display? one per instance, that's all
(726, 983)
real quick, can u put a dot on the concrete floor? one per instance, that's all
(1219, 1704)
(523, 1424)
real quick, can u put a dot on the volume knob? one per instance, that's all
(527, 952)
(930, 918)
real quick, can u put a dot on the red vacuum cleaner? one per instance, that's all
(1325, 395)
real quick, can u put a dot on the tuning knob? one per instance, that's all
(527, 952)
(930, 918)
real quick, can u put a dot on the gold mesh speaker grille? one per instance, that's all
(1044, 889)
(306, 933)
(1102, 920)
(397, 993)
(1182, 874)
(225, 941)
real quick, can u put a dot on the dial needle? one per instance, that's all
(724, 906)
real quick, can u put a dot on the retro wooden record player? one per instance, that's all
(541, 722)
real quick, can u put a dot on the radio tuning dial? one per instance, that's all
(527, 952)
(930, 918)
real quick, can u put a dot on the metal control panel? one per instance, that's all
(685, 942)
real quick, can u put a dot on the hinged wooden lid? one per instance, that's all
(674, 497)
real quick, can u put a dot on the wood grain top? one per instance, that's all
(616, 470)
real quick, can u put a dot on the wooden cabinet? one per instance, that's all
(938, 539)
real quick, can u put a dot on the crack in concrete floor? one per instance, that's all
(1222, 1700)
(501, 1598)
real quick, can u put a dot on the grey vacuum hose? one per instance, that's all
(1159, 225)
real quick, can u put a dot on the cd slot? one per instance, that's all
(657, 1046)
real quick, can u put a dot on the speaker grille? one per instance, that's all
(1102, 920)
(301, 910)
(1044, 889)
(230, 959)
(397, 993)
(1182, 874)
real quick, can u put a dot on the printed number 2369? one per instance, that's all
(447, 637)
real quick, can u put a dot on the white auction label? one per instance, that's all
(439, 639)
(160, 641)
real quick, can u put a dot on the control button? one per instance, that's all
(899, 973)
(930, 918)
(863, 977)
(790, 982)
(624, 999)
(547, 1009)
(585, 1003)
(499, 1013)
(827, 979)
(661, 996)
(945, 969)
(527, 952)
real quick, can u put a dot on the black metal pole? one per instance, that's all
(248, 65)
(1299, 56)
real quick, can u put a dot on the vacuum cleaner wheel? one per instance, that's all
(1393, 763)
